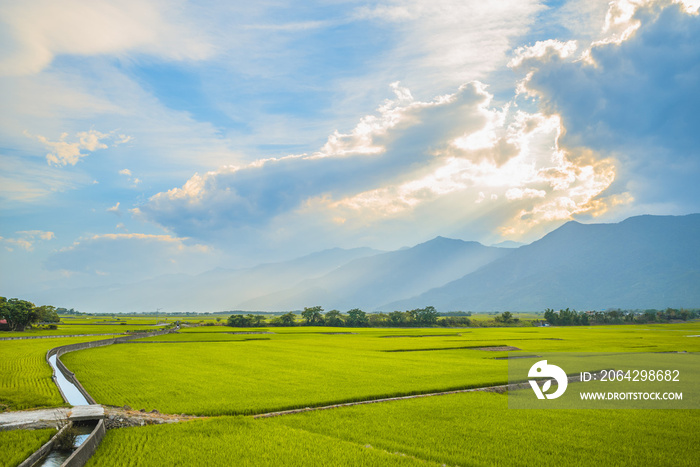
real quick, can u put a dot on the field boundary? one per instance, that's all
(500, 389)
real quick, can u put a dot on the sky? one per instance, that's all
(145, 137)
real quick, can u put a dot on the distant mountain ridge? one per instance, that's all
(642, 262)
(370, 281)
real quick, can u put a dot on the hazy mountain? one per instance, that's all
(642, 262)
(215, 290)
(368, 282)
(508, 244)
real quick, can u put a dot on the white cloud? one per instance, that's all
(24, 180)
(38, 30)
(543, 50)
(27, 239)
(115, 209)
(69, 153)
(395, 165)
(634, 96)
(449, 42)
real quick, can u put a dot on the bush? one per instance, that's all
(66, 440)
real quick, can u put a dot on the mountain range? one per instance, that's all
(642, 262)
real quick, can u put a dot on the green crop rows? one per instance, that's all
(459, 429)
(15, 446)
(220, 371)
(25, 377)
(82, 329)
(231, 441)
(228, 374)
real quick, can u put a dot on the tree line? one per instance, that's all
(315, 316)
(569, 317)
(22, 313)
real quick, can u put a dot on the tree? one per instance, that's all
(287, 319)
(313, 315)
(46, 314)
(426, 316)
(239, 321)
(397, 318)
(357, 318)
(551, 316)
(18, 313)
(258, 320)
(334, 318)
(378, 319)
(507, 318)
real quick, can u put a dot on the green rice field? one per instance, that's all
(468, 429)
(203, 372)
(227, 441)
(25, 377)
(17, 445)
(228, 374)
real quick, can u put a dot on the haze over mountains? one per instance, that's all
(642, 262)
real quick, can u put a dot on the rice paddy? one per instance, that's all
(17, 445)
(469, 429)
(219, 373)
(25, 377)
(227, 373)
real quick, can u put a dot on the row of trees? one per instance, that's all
(21, 313)
(315, 316)
(574, 318)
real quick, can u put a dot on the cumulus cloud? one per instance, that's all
(35, 31)
(407, 156)
(131, 255)
(69, 153)
(634, 93)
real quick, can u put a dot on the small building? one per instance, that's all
(3, 325)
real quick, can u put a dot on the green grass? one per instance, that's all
(299, 367)
(25, 377)
(75, 329)
(230, 441)
(472, 429)
(214, 372)
(17, 445)
(479, 429)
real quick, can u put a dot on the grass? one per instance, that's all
(80, 329)
(17, 445)
(217, 373)
(475, 429)
(479, 429)
(25, 377)
(234, 441)
(223, 374)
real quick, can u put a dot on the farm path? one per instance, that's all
(48, 418)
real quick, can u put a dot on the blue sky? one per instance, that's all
(140, 138)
